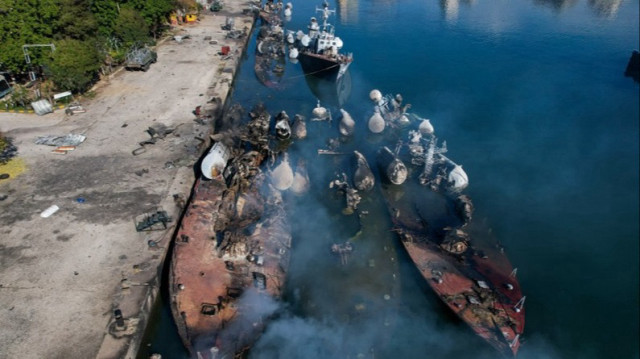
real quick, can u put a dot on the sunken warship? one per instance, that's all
(231, 251)
(270, 56)
(454, 253)
(273, 12)
(270, 61)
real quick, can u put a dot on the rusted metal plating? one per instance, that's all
(231, 252)
(454, 254)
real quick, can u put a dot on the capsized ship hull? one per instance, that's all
(459, 260)
(229, 261)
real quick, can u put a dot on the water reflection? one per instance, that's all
(348, 11)
(450, 8)
(556, 5)
(605, 8)
(602, 8)
(331, 93)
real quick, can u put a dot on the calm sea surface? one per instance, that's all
(532, 101)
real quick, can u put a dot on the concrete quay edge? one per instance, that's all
(62, 277)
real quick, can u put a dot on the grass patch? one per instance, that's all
(14, 167)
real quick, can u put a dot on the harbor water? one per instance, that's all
(531, 98)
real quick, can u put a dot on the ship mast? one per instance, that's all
(325, 15)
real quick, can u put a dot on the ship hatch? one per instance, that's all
(229, 265)
(208, 309)
(234, 292)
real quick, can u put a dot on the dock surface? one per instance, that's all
(63, 277)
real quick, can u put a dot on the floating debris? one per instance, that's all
(342, 249)
(352, 198)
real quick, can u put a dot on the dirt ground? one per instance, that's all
(62, 277)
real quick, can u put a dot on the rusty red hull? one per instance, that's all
(478, 284)
(228, 266)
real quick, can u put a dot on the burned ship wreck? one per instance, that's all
(454, 253)
(232, 248)
(270, 59)
(231, 251)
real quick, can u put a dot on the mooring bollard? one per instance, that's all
(120, 325)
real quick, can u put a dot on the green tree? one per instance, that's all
(75, 64)
(24, 22)
(75, 20)
(106, 13)
(154, 12)
(130, 27)
(114, 25)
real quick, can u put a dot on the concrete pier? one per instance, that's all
(64, 278)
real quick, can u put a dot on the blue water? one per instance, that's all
(532, 101)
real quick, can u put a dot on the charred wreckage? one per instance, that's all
(231, 251)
